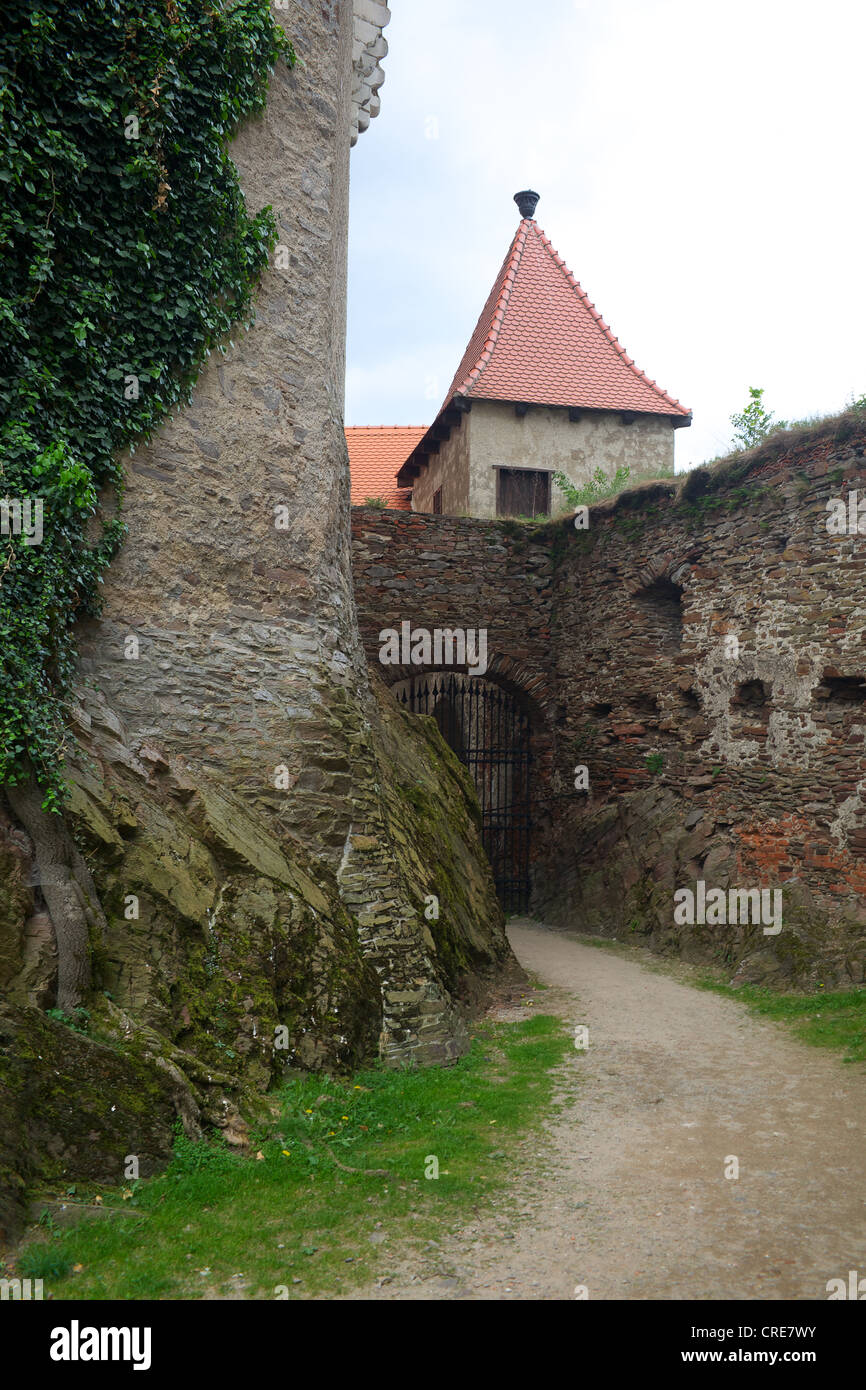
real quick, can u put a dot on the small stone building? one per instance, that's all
(543, 387)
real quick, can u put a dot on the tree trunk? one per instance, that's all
(69, 891)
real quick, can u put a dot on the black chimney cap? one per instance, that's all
(527, 201)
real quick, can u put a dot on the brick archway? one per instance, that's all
(525, 685)
(456, 573)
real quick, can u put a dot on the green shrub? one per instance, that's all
(598, 487)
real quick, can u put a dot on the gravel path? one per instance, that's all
(627, 1195)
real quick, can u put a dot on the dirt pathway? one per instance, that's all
(629, 1198)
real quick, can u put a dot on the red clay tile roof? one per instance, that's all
(376, 453)
(539, 340)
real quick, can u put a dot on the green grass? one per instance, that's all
(294, 1214)
(835, 1020)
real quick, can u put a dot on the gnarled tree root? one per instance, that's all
(344, 1167)
(68, 888)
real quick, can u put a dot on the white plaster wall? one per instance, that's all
(545, 438)
(449, 469)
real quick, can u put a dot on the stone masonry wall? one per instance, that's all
(247, 648)
(236, 577)
(449, 572)
(717, 628)
(457, 572)
(700, 651)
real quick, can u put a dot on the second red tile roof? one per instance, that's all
(376, 453)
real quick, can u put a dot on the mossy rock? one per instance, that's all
(72, 1109)
(434, 819)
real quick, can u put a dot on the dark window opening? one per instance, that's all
(842, 690)
(646, 706)
(661, 603)
(750, 710)
(752, 693)
(437, 502)
(522, 492)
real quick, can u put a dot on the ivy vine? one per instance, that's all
(127, 254)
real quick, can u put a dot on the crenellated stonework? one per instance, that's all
(369, 47)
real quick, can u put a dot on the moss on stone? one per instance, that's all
(72, 1107)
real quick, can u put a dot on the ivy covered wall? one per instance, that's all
(126, 255)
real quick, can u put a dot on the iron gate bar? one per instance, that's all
(491, 735)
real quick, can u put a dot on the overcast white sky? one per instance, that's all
(701, 168)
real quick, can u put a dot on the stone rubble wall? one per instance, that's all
(251, 669)
(757, 761)
(759, 773)
(447, 572)
(248, 654)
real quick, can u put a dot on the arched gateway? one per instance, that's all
(491, 733)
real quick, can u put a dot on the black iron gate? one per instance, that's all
(491, 734)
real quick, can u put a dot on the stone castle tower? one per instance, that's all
(263, 834)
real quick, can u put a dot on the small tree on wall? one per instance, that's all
(755, 422)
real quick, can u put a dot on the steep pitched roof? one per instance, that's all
(540, 341)
(376, 453)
